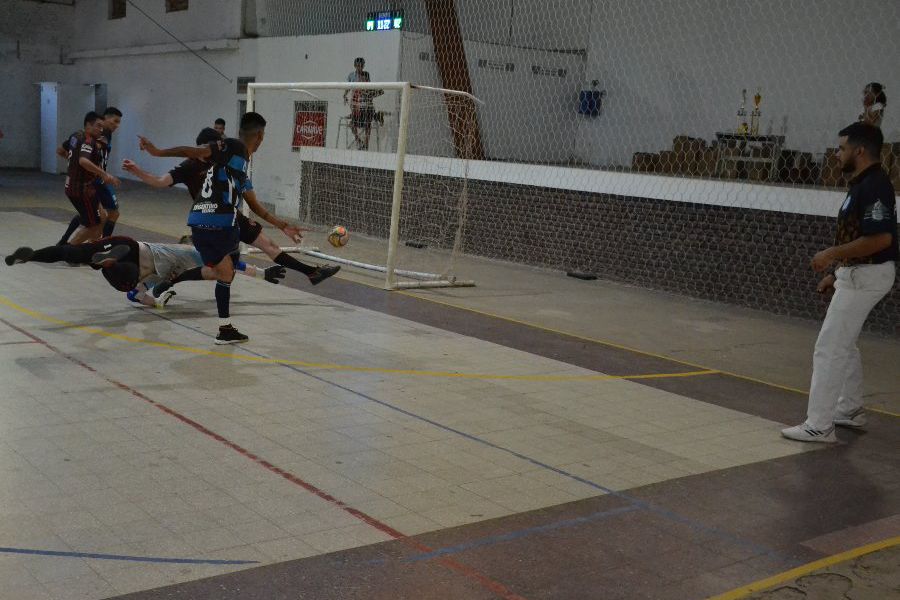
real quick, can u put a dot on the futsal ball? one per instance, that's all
(339, 236)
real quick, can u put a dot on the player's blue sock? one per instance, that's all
(223, 298)
(240, 266)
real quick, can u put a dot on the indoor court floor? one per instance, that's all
(532, 437)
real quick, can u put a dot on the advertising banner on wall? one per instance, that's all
(309, 128)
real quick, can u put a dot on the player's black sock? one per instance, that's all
(195, 274)
(223, 298)
(286, 260)
(108, 227)
(50, 254)
(80, 254)
(73, 225)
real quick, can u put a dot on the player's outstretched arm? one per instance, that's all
(157, 181)
(289, 230)
(198, 152)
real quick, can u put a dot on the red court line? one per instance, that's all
(483, 580)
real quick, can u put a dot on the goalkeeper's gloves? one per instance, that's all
(274, 274)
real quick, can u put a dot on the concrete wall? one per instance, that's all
(745, 256)
(512, 123)
(204, 20)
(31, 42)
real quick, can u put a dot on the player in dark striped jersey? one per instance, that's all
(85, 167)
(106, 194)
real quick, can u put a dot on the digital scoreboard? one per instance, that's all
(384, 20)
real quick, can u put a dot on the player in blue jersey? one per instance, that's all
(213, 217)
(192, 173)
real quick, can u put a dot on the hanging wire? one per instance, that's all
(174, 37)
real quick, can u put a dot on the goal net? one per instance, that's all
(683, 146)
(386, 161)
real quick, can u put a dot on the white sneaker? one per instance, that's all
(805, 433)
(857, 419)
(163, 298)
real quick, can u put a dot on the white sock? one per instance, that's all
(225, 322)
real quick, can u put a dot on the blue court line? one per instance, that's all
(696, 526)
(510, 535)
(149, 559)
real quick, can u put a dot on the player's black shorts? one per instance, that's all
(125, 273)
(215, 244)
(250, 229)
(86, 203)
(134, 249)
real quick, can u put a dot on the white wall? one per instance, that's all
(523, 109)
(170, 97)
(204, 20)
(670, 68)
(674, 68)
(318, 58)
(31, 36)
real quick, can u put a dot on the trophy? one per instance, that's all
(742, 114)
(754, 116)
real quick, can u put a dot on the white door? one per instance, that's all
(49, 122)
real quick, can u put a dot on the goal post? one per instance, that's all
(410, 234)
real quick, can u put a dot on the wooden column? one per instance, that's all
(450, 55)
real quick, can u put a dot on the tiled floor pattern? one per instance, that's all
(87, 466)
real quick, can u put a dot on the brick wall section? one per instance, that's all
(753, 258)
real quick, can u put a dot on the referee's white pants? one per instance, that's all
(837, 368)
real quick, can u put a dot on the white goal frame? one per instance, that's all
(420, 279)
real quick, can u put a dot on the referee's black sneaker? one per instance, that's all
(229, 335)
(21, 255)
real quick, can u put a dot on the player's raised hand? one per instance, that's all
(293, 232)
(129, 165)
(147, 146)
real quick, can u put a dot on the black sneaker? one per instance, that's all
(323, 273)
(229, 335)
(110, 255)
(21, 255)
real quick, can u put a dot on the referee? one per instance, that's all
(864, 254)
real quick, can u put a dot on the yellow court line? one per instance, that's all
(609, 344)
(327, 366)
(828, 561)
(617, 346)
